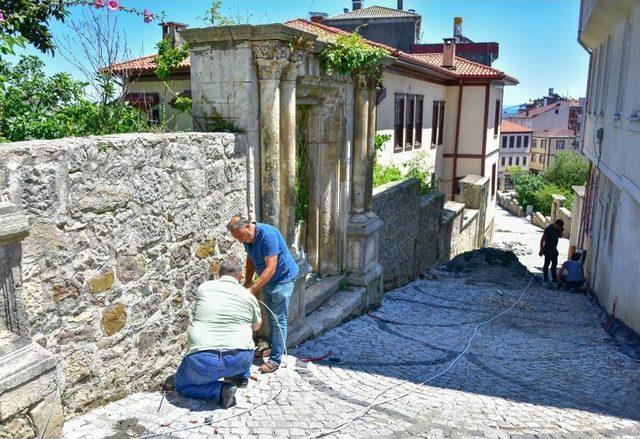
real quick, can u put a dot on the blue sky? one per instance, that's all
(537, 37)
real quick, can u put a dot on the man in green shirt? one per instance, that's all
(220, 342)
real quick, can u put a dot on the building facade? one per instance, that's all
(610, 224)
(515, 147)
(546, 144)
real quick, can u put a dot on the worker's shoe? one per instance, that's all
(169, 385)
(227, 395)
(238, 381)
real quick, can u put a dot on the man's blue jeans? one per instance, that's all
(198, 374)
(277, 297)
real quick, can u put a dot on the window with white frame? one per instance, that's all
(519, 142)
(559, 144)
(504, 141)
(512, 140)
(524, 161)
(526, 141)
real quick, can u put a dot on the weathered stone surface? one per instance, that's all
(102, 281)
(19, 427)
(48, 412)
(206, 249)
(130, 268)
(114, 318)
(112, 249)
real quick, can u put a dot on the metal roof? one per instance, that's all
(373, 12)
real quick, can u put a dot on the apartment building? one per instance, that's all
(546, 144)
(610, 225)
(515, 143)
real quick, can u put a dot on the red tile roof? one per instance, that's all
(564, 132)
(145, 64)
(509, 127)
(464, 69)
(540, 110)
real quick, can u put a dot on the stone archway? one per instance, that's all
(324, 136)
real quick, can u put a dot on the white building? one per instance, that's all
(554, 116)
(515, 141)
(610, 228)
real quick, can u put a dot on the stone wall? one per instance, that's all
(507, 200)
(123, 229)
(420, 231)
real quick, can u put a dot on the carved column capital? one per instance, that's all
(271, 58)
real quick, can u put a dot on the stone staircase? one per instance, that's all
(326, 307)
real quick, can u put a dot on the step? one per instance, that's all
(318, 292)
(341, 307)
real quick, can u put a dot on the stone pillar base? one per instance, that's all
(297, 310)
(362, 265)
(30, 393)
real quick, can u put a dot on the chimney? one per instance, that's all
(345, 10)
(357, 4)
(400, 4)
(457, 28)
(171, 31)
(550, 91)
(449, 53)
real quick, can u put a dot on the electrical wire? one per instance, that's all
(250, 409)
(418, 385)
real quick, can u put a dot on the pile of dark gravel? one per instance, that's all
(484, 259)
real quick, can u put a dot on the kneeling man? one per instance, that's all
(220, 338)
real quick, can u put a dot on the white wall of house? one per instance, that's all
(613, 103)
(399, 84)
(175, 120)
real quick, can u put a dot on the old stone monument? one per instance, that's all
(29, 383)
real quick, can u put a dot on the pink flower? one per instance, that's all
(113, 5)
(98, 4)
(1, 17)
(148, 16)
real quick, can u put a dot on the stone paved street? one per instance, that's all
(544, 369)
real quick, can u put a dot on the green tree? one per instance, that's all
(543, 197)
(568, 169)
(526, 185)
(36, 106)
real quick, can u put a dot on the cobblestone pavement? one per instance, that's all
(545, 369)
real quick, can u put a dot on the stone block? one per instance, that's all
(206, 249)
(102, 281)
(48, 414)
(130, 268)
(26, 375)
(114, 318)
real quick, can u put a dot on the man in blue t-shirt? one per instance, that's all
(269, 257)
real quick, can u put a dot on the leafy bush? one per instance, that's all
(36, 106)
(419, 169)
(526, 185)
(544, 197)
(380, 140)
(383, 174)
(568, 169)
(352, 54)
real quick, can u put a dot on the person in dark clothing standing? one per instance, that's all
(549, 249)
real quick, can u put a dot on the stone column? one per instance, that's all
(360, 143)
(29, 381)
(361, 262)
(270, 63)
(371, 142)
(288, 152)
(474, 192)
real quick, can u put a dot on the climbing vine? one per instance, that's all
(352, 54)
